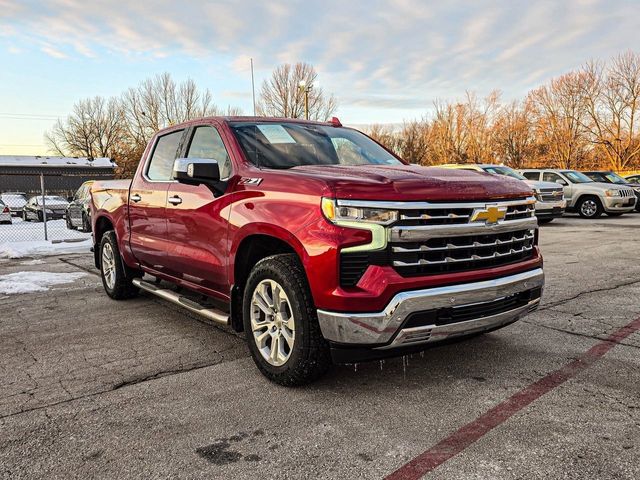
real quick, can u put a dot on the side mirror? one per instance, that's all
(561, 182)
(195, 171)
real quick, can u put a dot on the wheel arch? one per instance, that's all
(103, 224)
(250, 250)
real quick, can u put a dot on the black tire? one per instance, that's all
(40, 216)
(544, 221)
(86, 224)
(24, 216)
(69, 224)
(309, 357)
(614, 214)
(123, 287)
(590, 207)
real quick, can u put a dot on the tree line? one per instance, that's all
(585, 119)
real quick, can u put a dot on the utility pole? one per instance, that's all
(253, 88)
(305, 89)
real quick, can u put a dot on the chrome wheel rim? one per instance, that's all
(272, 322)
(108, 265)
(589, 208)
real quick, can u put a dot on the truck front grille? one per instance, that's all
(431, 239)
(458, 254)
(550, 194)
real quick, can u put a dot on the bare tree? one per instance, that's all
(559, 112)
(612, 99)
(282, 96)
(95, 128)
(514, 137)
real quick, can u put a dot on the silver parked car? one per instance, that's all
(5, 213)
(584, 196)
(15, 201)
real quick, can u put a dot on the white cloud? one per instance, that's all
(404, 49)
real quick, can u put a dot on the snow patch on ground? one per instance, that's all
(27, 282)
(36, 248)
(35, 261)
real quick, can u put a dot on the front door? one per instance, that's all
(554, 177)
(148, 201)
(197, 219)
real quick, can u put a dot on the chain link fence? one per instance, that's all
(44, 212)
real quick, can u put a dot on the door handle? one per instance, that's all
(175, 200)
(136, 198)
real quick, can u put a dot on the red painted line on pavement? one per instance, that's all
(468, 434)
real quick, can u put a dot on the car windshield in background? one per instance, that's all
(615, 178)
(50, 199)
(576, 177)
(504, 171)
(287, 145)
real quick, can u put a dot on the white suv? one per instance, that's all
(586, 197)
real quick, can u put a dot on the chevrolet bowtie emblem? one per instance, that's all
(491, 214)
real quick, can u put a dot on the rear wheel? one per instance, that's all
(590, 207)
(117, 277)
(69, 224)
(281, 324)
(40, 217)
(24, 216)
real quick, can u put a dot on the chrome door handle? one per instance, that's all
(136, 198)
(175, 200)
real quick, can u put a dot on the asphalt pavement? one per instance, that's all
(93, 388)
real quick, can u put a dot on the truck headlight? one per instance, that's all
(336, 213)
(613, 193)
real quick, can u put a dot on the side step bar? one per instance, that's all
(209, 313)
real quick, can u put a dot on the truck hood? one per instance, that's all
(538, 184)
(412, 182)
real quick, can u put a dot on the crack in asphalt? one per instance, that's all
(586, 292)
(92, 271)
(569, 332)
(117, 386)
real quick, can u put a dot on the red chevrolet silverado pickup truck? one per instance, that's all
(316, 241)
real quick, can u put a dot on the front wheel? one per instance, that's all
(614, 214)
(117, 278)
(281, 323)
(86, 224)
(69, 224)
(590, 207)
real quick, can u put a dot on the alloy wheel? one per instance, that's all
(108, 266)
(272, 322)
(589, 208)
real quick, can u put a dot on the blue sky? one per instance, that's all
(386, 61)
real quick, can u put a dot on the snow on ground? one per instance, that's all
(38, 248)
(27, 282)
(26, 239)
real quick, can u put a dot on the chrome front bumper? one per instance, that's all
(384, 330)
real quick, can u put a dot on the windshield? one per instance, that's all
(509, 172)
(576, 177)
(50, 199)
(287, 145)
(615, 178)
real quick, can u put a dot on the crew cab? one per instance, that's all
(316, 241)
(550, 202)
(584, 196)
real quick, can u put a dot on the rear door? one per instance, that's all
(148, 201)
(197, 219)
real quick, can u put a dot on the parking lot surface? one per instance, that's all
(92, 388)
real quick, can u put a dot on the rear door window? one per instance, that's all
(531, 175)
(164, 154)
(552, 177)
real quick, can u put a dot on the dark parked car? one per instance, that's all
(78, 212)
(15, 201)
(612, 177)
(55, 207)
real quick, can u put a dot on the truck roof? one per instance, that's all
(240, 119)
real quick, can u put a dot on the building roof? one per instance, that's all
(58, 162)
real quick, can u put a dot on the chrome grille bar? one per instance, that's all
(450, 246)
(422, 261)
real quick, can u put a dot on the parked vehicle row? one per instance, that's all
(75, 210)
(550, 202)
(584, 195)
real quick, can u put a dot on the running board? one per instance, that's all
(209, 313)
